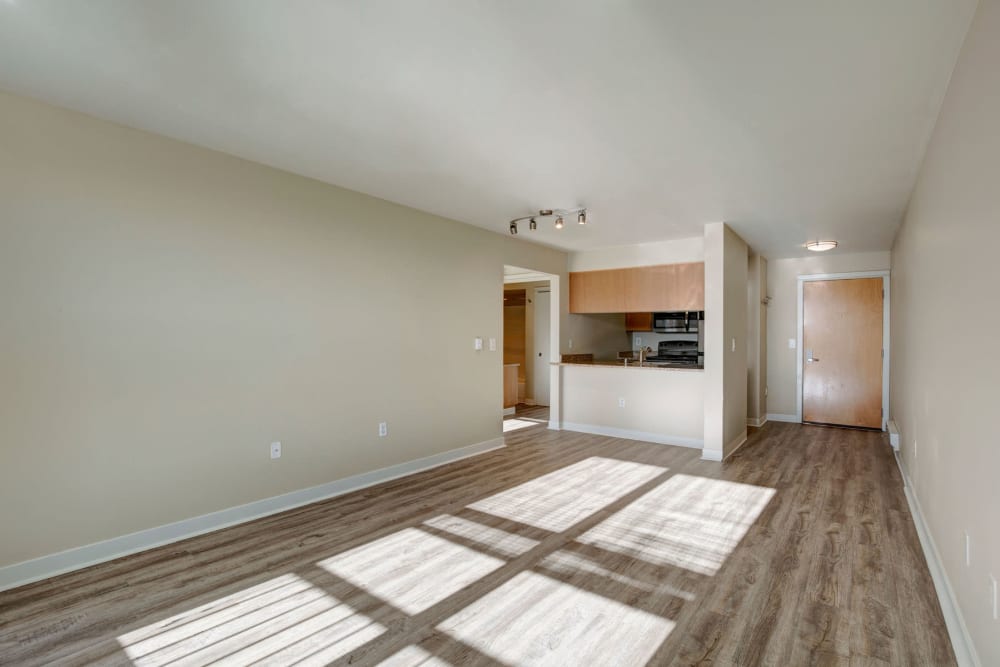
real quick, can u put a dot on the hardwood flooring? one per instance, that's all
(560, 549)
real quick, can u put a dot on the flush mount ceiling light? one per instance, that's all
(821, 246)
(559, 213)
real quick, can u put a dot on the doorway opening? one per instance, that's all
(530, 344)
(842, 370)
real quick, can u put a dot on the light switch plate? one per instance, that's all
(791, 343)
(493, 344)
(478, 343)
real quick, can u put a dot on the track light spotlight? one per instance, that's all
(513, 228)
(582, 218)
(559, 222)
(533, 224)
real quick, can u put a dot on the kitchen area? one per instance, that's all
(646, 382)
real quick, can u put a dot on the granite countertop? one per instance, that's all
(649, 365)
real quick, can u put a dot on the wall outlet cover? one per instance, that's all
(493, 344)
(275, 450)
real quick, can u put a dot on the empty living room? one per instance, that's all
(499, 333)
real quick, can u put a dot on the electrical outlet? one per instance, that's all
(621, 402)
(477, 344)
(968, 550)
(637, 341)
(791, 343)
(493, 344)
(275, 450)
(383, 429)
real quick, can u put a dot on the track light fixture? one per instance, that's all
(559, 213)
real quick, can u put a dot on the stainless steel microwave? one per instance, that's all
(678, 322)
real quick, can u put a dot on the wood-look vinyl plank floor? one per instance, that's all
(560, 549)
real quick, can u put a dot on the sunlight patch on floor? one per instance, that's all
(565, 563)
(688, 521)
(507, 545)
(564, 497)
(411, 569)
(535, 620)
(282, 620)
(413, 656)
(517, 423)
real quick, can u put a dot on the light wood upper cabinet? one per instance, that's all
(689, 286)
(597, 291)
(639, 289)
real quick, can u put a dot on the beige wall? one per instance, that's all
(600, 334)
(756, 338)
(168, 311)
(782, 315)
(640, 254)
(944, 397)
(726, 260)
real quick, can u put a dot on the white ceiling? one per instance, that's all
(789, 119)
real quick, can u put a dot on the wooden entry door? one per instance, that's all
(842, 352)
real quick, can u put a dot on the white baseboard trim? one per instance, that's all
(737, 442)
(893, 435)
(554, 425)
(961, 640)
(509, 411)
(778, 417)
(529, 401)
(756, 423)
(658, 438)
(716, 455)
(44, 567)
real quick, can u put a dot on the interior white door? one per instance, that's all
(541, 368)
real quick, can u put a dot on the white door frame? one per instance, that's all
(534, 334)
(884, 275)
(555, 309)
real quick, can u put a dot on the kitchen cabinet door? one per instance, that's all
(688, 292)
(597, 291)
(649, 288)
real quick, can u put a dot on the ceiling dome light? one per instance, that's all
(533, 224)
(513, 229)
(559, 222)
(582, 218)
(821, 246)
